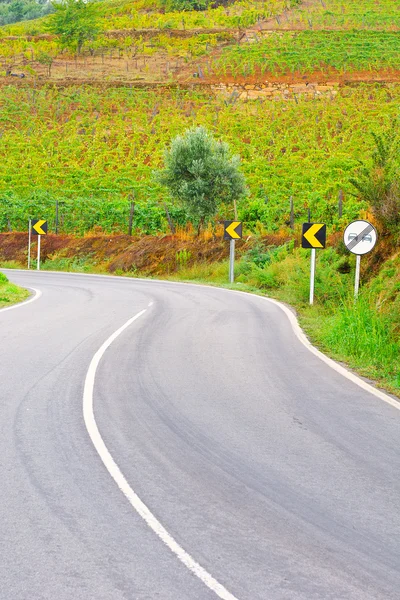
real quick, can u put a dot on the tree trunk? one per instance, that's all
(235, 208)
(131, 212)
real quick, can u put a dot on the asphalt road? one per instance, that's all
(280, 477)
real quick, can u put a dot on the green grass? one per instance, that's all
(71, 265)
(10, 293)
(359, 331)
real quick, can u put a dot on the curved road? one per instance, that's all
(277, 475)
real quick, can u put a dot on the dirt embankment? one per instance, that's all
(146, 255)
(160, 255)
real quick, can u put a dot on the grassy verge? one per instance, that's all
(10, 293)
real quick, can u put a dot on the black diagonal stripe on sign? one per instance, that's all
(359, 238)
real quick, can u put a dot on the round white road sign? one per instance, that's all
(360, 237)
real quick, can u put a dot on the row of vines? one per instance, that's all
(308, 51)
(374, 15)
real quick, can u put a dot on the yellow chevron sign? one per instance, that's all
(232, 230)
(39, 227)
(314, 235)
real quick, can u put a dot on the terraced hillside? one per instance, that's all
(272, 77)
(141, 42)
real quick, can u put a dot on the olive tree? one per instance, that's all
(202, 174)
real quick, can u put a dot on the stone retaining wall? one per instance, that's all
(277, 91)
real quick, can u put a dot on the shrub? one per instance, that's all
(379, 184)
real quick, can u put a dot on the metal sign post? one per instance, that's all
(359, 237)
(314, 236)
(38, 253)
(232, 232)
(231, 261)
(312, 275)
(357, 280)
(29, 242)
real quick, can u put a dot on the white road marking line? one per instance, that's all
(37, 295)
(122, 483)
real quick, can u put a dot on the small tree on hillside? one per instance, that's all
(75, 21)
(202, 174)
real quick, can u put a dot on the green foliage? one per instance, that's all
(182, 258)
(379, 184)
(74, 264)
(45, 59)
(12, 11)
(3, 278)
(75, 22)
(367, 331)
(385, 290)
(201, 173)
(186, 5)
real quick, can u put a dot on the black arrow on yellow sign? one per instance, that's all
(232, 230)
(39, 227)
(314, 235)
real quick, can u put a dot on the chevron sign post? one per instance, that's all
(232, 232)
(314, 236)
(37, 227)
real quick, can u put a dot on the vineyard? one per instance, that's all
(149, 14)
(142, 41)
(304, 52)
(383, 15)
(92, 149)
